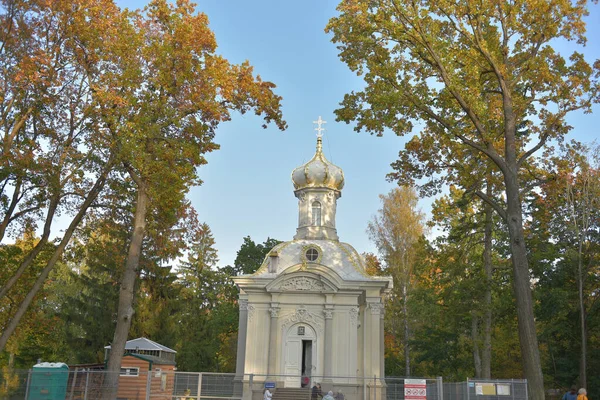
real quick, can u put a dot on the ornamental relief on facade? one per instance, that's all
(302, 315)
(376, 308)
(354, 316)
(302, 283)
(251, 310)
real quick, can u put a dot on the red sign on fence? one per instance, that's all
(415, 389)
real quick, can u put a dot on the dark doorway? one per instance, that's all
(306, 362)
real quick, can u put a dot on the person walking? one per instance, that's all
(582, 394)
(316, 392)
(571, 394)
(329, 396)
(267, 394)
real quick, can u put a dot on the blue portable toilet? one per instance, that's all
(48, 381)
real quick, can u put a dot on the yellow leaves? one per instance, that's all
(397, 228)
(10, 381)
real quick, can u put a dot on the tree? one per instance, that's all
(172, 100)
(208, 314)
(250, 256)
(395, 230)
(568, 208)
(490, 92)
(55, 155)
(582, 193)
(466, 253)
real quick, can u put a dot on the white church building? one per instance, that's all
(311, 313)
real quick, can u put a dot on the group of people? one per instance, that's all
(317, 394)
(574, 394)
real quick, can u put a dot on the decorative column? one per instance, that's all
(382, 341)
(328, 362)
(274, 310)
(241, 344)
(373, 333)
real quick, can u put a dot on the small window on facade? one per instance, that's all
(130, 371)
(301, 330)
(312, 255)
(316, 213)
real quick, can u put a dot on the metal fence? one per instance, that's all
(293, 387)
(480, 389)
(175, 385)
(132, 385)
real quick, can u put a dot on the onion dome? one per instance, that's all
(318, 172)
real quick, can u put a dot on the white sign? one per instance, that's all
(503, 389)
(415, 389)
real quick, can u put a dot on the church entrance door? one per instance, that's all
(300, 351)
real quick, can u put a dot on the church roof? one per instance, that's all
(145, 344)
(337, 256)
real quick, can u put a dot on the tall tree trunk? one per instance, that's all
(406, 329)
(486, 355)
(475, 339)
(126, 295)
(582, 318)
(532, 367)
(39, 283)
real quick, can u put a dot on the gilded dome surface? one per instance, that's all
(318, 173)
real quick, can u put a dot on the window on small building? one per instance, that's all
(130, 371)
(316, 213)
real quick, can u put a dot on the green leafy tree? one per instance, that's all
(564, 223)
(41, 334)
(488, 91)
(250, 256)
(208, 314)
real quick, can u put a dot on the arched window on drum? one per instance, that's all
(316, 213)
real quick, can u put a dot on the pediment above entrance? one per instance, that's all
(302, 315)
(302, 282)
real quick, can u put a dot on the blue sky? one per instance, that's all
(247, 188)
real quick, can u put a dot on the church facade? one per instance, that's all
(311, 313)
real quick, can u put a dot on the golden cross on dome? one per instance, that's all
(319, 128)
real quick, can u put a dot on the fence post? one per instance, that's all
(440, 385)
(87, 381)
(251, 383)
(28, 382)
(512, 388)
(148, 384)
(375, 387)
(199, 384)
(73, 383)
(468, 389)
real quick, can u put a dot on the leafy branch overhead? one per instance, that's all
(480, 75)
